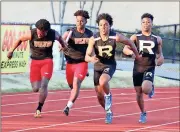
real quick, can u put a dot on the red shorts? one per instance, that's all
(41, 68)
(78, 70)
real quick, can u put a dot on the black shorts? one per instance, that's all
(107, 70)
(138, 77)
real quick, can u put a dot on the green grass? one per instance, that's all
(121, 79)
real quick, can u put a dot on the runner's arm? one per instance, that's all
(21, 39)
(122, 39)
(90, 50)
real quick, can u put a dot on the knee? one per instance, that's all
(139, 95)
(35, 89)
(139, 92)
(44, 85)
(99, 93)
(145, 90)
(102, 83)
(146, 87)
(43, 88)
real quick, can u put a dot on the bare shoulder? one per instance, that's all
(57, 35)
(133, 37)
(119, 37)
(65, 34)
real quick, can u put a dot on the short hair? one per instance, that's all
(43, 24)
(147, 15)
(82, 13)
(105, 16)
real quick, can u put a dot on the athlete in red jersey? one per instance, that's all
(76, 67)
(41, 42)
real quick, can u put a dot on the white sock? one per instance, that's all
(107, 94)
(69, 104)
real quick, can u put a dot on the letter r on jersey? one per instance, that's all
(105, 49)
(148, 47)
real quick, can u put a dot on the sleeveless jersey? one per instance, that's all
(105, 50)
(41, 48)
(147, 46)
(77, 45)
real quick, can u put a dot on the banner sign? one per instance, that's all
(20, 60)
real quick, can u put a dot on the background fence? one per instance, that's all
(170, 35)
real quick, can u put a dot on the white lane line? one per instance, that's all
(32, 93)
(17, 115)
(26, 103)
(68, 90)
(164, 124)
(61, 91)
(95, 119)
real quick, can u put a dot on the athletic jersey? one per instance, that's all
(77, 45)
(147, 46)
(105, 50)
(41, 48)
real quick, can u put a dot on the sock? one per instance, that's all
(109, 111)
(69, 104)
(107, 94)
(40, 106)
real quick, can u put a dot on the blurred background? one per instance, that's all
(19, 17)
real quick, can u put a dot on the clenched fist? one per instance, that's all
(10, 54)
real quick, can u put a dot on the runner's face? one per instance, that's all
(41, 33)
(104, 27)
(146, 24)
(80, 22)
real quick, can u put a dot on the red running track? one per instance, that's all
(88, 116)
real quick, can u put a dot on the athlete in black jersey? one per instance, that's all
(104, 44)
(76, 67)
(41, 42)
(150, 46)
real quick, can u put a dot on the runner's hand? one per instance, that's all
(94, 59)
(10, 54)
(160, 61)
(65, 50)
(138, 58)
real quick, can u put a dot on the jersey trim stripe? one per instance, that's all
(112, 37)
(96, 39)
(154, 36)
(138, 34)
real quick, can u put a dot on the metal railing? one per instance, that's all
(170, 35)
